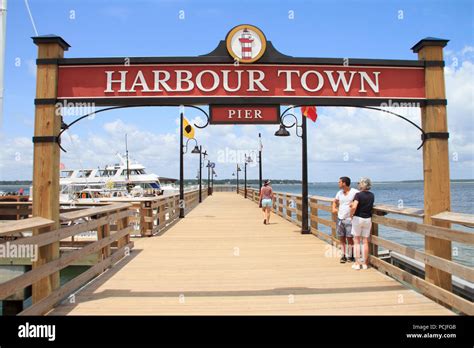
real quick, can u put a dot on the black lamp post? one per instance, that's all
(212, 181)
(183, 150)
(283, 132)
(181, 166)
(201, 154)
(237, 172)
(260, 160)
(247, 161)
(209, 186)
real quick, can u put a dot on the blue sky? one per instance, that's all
(343, 141)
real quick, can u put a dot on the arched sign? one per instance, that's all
(245, 69)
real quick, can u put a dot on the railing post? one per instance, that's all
(46, 157)
(147, 219)
(299, 210)
(122, 224)
(287, 205)
(314, 214)
(333, 229)
(280, 204)
(374, 248)
(437, 197)
(103, 231)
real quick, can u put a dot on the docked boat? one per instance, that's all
(123, 179)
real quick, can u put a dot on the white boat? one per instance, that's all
(111, 181)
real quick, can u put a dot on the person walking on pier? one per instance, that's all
(341, 206)
(361, 212)
(266, 201)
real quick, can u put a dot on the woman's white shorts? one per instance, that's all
(361, 226)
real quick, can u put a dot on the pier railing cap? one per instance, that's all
(429, 41)
(51, 38)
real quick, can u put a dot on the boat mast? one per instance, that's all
(3, 35)
(126, 155)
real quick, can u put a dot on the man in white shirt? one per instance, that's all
(341, 206)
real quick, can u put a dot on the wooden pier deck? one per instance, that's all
(222, 260)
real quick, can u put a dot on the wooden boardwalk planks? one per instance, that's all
(221, 259)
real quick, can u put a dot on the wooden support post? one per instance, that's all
(46, 157)
(314, 215)
(288, 212)
(105, 234)
(333, 229)
(299, 210)
(146, 219)
(122, 224)
(373, 248)
(435, 156)
(100, 235)
(280, 204)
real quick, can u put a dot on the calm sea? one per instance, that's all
(410, 194)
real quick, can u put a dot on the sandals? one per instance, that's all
(264, 221)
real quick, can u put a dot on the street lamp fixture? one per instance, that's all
(184, 149)
(283, 132)
(248, 160)
(195, 149)
(210, 165)
(237, 173)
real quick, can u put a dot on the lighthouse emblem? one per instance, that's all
(246, 40)
(246, 43)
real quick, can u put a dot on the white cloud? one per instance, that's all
(31, 66)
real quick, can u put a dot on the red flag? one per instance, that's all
(310, 112)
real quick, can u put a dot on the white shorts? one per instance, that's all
(361, 226)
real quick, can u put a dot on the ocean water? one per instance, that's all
(410, 194)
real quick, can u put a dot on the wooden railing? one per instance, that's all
(112, 242)
(150, 214)
(288, 206)
(108, 226)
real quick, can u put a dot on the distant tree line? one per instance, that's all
(241, 181)
(16, 182)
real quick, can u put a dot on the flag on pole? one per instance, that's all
(310, 112)
(188, 130)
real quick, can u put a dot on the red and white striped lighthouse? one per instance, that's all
(246, 40)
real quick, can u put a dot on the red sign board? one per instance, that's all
(239, 81)
(249, 114)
